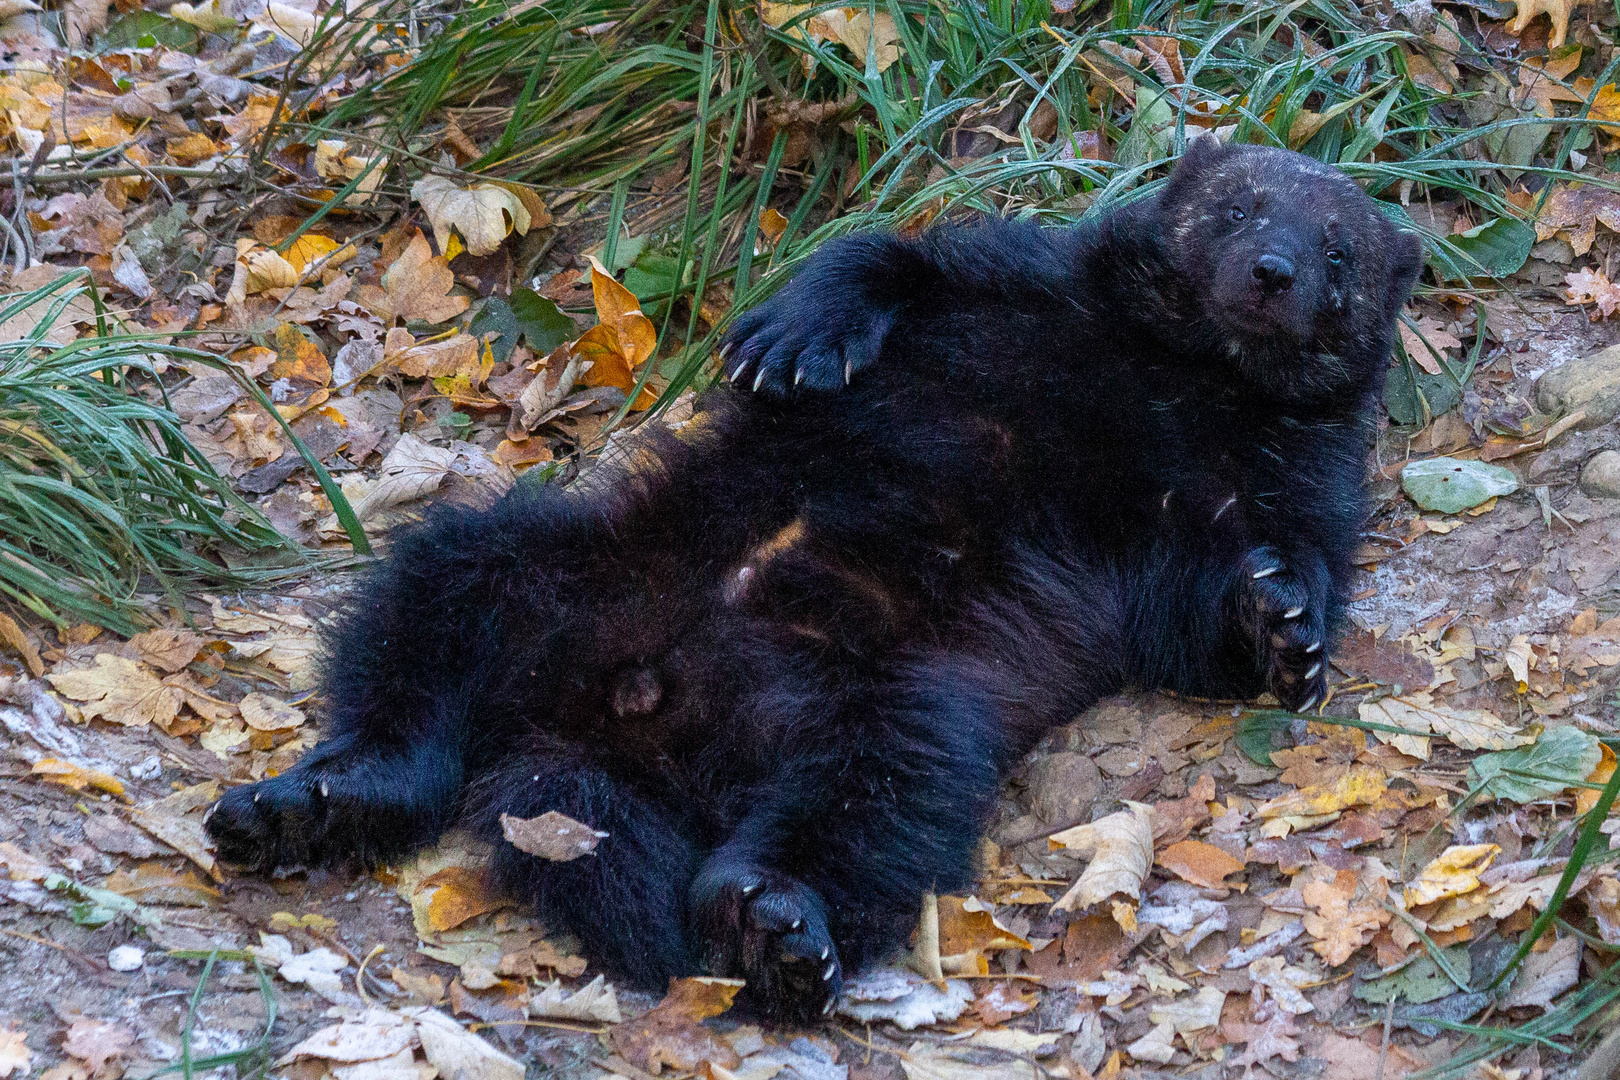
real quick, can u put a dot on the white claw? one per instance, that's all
(760, 377)
(1293, 613)
(1311, 674)
(796, 924)
(749, 889)
(798, 377)
(1312, 647)
(827, 1008)
(826, 976)
(1267, 572)
(1309, 705)
(256, 795)
(725, 351)
(737, 373)
(849, 371)
(825, 949)
(325, 791)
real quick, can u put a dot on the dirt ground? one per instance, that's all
(1517, 578)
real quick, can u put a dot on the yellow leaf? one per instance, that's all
(1586, 798)
(120, 691)
(13, 635)
(460, 895)
(1360, 785)
(299, 359)
(1454, 872)
(1340, 924)
(312, 248)
(1605, 106)
(191, 149)
(76, 777)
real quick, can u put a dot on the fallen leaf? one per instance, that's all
(114, 835)
(1425, 339)
(1588, 286)
(1545, 975)
(969, 934)
(484, 214)
(904, 998)
(120, 691)
(671, 1033)
(620, 342)
(1451, 485)
(1453, 872)
(1467, 729)
(1340, 924)
(1586, 798)
(15, 1057)
(374, 1034)
(76, 777)
(1200, 863)
(12, 635)
(1284, 983)
(1603, 902)
(418, 285)
(1560, 759)
(1120, 847)
(552, 835)
(96, 1042)
(459, 893)
(167, 650)
(177, 821)
(592, 1003)
(261, 712)
(412, 469)
(1558, 11)
(931, 1061)
(1360, 785)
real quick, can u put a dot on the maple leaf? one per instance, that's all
(1120, 847)
(1427, 339)
(483, 214)
(1340, 925)
(417, 286)
(120, 691)
(1587, 286)
(672, 1033)
(1558, 11)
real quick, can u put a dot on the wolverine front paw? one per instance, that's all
(798, 339)
(1289, 630)
(770, 931)
(274, 823)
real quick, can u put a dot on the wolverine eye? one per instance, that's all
(1335, 256)
(1238, 214)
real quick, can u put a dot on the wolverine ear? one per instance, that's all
(1203, 150)
(1405, 264)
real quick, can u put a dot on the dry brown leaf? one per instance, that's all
(1588, 286)
(177, 821)
(15, 1057)
(1120, 847)
(552, 835)
(1556, 10)
(261, 712)
(418, 285)
(1466, 729)
(21, 865)
(1200, 863)
(167, 650)
(191, 149)
(120, 691)
(1439, 341)
(1341, 921)
(672, 1035)
(96, 1042)
(459, 893)
(12, 635)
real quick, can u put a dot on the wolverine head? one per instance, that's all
(1298, 275)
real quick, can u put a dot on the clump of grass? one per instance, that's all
(103, 501)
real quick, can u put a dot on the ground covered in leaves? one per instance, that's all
(1171, 887)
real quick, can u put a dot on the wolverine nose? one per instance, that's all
(1275, 273)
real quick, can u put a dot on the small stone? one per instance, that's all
(150, 768)
(1600, 477)
(126, 958)
(1591, 383)
(1062, 788)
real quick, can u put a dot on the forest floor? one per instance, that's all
(1170, 887)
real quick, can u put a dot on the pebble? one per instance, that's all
(126, 958)
(1600, 477)
(1591, 383)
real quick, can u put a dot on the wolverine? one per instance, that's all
(959, 487)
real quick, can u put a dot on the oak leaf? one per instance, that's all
(672, 1033)
(1361, 785)
(1558, 11)
(95, 1042)
(120, 691)
(1588, 286)
(418, 285)
(1340, 923)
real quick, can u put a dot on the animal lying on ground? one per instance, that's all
(961, 487)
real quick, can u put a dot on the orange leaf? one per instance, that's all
(299, 359)
(76, 777)
(1586, 798)
(1200, 863)
(460, 896)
